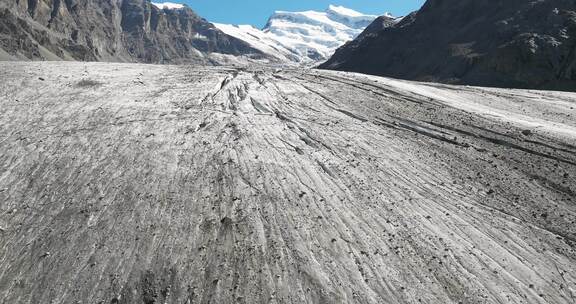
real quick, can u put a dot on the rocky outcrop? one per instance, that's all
(511, 43)
(112, 30)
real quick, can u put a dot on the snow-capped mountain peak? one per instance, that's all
(168, 5)
(344, 11)
(306, 36)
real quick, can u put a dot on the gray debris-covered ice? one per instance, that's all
(128, 183)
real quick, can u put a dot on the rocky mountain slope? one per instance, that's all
(303, 37)
(512, 43)
(112, 30)
(129, 183)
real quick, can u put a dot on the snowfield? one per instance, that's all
(168, 5)
(128, 183)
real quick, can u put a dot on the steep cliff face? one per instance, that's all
(117, 30)
(504, 43)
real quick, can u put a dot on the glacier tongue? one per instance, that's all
(303, 37)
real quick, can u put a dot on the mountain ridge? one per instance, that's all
(497, 43)
(125, 31)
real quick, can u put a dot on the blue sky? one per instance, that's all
(256, 12)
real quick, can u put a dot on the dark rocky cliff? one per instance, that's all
(503, 43)
(111, 30)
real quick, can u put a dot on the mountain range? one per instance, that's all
(148, 32)
(304, 37)
(500, 43)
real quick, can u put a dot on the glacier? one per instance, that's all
(140, 183)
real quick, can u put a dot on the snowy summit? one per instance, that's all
(168, 5)
(307, 36)
(344, 11)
